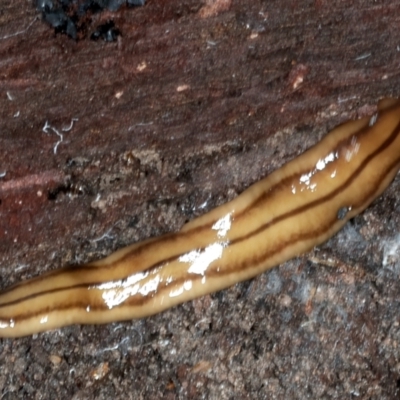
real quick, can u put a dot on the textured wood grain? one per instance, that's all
(163, 115)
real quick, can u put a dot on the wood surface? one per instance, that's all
(193, 103)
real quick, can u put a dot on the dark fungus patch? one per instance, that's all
(107, 31)
(73, 17)
(70, 189)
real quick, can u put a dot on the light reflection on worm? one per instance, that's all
(295, 208)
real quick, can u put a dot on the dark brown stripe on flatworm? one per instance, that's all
(142, 300)
(172, 237)
(292, 213)
(261, 198)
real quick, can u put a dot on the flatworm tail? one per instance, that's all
(295, 208)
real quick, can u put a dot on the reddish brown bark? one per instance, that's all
(193, 103)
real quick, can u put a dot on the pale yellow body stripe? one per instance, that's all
(295, 208)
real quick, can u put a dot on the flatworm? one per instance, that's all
(293, 209)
